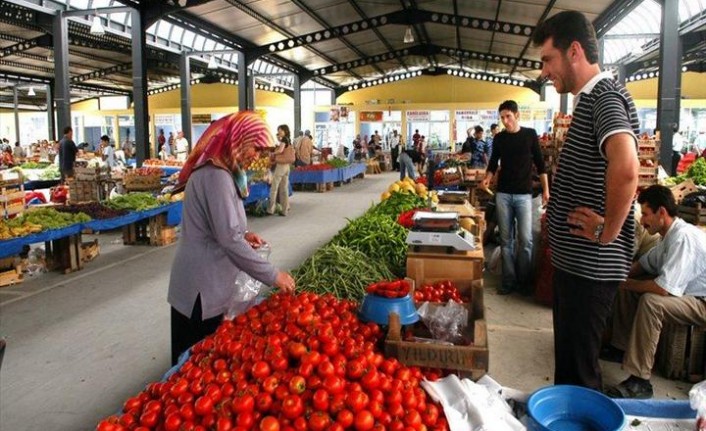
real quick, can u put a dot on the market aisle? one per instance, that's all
(87, 341)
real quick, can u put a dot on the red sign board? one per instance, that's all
(371, 116)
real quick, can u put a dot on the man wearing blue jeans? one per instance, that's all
(515, 149)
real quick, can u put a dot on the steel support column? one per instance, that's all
(601, 53)
(621, 73)
(139, 86)
(62, 90)
(669, 87)
(333, 97)
(243, 81)
(543, 93)
(16, 107)
(296, 84)
(50, 114)
(185, 74)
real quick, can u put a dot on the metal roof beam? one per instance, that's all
(43, 40)
(101, 73)
(629, 36)
(403, 17)
(613, 14)
(544, 16)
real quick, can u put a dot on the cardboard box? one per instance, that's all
(432, 263)
(469, 360)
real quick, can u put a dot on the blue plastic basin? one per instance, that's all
(573, 408)
(377, 309)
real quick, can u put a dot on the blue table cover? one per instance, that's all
(11, 247)
(326, 176)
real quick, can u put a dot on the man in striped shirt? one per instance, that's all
(590, 213)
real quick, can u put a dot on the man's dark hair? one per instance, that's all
(68, 129)
(565, 28)
(658, 196)
(105, 138)
(478, 129)
(493, 126)
(509, 105)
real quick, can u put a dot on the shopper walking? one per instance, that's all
(67, 154)
(406, 164)
(591, 221)
(516, 149)
(182, 147)
(283, 157)
(215, 244)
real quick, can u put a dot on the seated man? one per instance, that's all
(667, 284)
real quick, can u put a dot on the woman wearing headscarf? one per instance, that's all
(215, 244)
(284, 156)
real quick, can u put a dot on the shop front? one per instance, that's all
(433, 125)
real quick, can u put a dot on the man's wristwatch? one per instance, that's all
(598, 232)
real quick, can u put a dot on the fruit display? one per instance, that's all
(397, 203)
(389, 289)
(409, 186)
(441, 291)
(146, 171)
(160, 162)
(292, 363)
(340, 271)
(133, 201)
(38, 220)
(93, 209)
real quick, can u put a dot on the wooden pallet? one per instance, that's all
(152, 231)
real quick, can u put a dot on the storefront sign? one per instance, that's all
(467, 115)
(164, 119)
(201, 119)
(370, 116)
(417, 116)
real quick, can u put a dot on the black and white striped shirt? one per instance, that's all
(604, 108)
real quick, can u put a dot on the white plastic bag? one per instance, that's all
(697, 399)
(247, 291)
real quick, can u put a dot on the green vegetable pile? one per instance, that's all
(340, 271)
(48, 218)
(396, 204)
(34, 165)
(378, 237)
(697, 171)
(50, 173)
(337, 163)
(134, 201)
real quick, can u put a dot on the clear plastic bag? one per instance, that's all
(247, 291)
(697, 399)
(446, 323)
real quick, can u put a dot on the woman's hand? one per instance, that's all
(254, 239)
(284, 282)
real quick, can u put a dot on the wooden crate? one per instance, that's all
(680, 352)
(469, 360)
(682, 189)
(87, 191)
(134, 182)
(694, 215)
(151, 231)
(12, 199)
(84, 173)
(64, 254)
(11, 276)
(434, 264)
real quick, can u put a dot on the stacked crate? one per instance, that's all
(12, 198)
(648, 153)
(89, 184)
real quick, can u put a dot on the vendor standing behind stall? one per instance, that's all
(215, 244)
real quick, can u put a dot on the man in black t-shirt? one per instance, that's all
(516, 148)
(67, 154)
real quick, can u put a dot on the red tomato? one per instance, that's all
(319, 421)
(263, 402)
(260, 370)
(297, 384)
(364, 421)
(269, 423)
(149, 419)
(292, 407)
(172, 422)
(203, 405)
(345, 418)
(320, 400)
(244, 403)
(270, 384)
(245, 420)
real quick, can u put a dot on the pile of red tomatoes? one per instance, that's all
(441, 291)
(292, 363)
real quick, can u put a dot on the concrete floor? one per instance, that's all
(80, 344)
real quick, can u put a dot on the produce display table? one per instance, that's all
(327, 177)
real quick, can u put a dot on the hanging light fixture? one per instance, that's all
(31, 92)
(212, 63)
(97, 26)
(408, 36)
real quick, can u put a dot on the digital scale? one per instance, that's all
(439, 229)
(452, 197)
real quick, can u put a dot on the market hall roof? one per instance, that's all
(341, 44)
